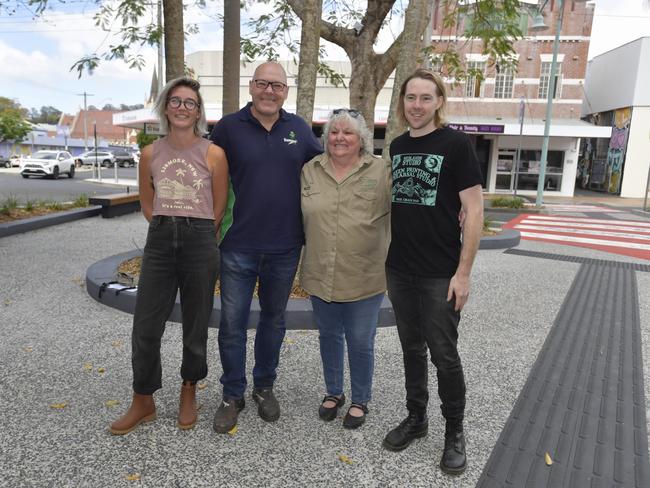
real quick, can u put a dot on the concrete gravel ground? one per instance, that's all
(59, 346)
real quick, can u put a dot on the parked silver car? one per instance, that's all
(105, 158)
(47, 163)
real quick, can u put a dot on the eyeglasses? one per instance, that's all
(276, 86)
(353, 113)
(175, 102)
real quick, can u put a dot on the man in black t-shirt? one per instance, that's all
(435, 175)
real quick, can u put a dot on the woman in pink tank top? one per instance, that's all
(183, 192)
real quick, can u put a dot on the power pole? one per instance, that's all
(85, 95)
(161, 70)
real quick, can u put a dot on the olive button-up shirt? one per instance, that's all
(347, 229)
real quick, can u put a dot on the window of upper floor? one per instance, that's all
(545, 80)
(504, 83)
(475, 79)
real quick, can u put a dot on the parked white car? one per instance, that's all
(47, 163)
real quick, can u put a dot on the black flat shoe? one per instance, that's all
(350, 422)
(329, 413)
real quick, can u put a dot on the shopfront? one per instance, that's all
(511, 162)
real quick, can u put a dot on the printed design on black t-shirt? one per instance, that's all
(416, 178)
(179, 185)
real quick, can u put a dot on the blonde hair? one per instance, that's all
(441, 91)
(201, 124)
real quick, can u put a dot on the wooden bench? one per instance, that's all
(117, 204)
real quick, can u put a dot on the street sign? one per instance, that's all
(152, 128)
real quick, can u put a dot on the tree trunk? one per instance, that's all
(174, 39)
(308, 65)
(364, 82)
(231, 61)
(415, 22)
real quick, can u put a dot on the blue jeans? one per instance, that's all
(426, 319)
(181, 254)
(357, 322)
(239, 273)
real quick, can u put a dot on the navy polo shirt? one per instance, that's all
(264, 172)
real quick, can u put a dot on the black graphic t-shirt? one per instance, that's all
(428, 173)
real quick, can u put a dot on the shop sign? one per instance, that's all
(478, 128)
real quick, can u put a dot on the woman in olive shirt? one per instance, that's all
(346, 210)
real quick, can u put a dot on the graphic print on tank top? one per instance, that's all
(179, 185)
(416, 178)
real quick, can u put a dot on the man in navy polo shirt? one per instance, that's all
(266, 148)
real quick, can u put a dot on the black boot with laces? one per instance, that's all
(454, 460)
(412, 427)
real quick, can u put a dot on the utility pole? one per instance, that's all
(85, 95)
(161, 70)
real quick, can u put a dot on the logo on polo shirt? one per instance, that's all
(291, 139)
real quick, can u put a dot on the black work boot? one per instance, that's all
(268, 407)
(453, 459)
(226, 416)
(412, 427)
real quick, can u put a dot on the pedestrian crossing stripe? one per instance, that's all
(626, 237)
(576, 208)
(589, 220)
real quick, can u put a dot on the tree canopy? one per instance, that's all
(13, 127)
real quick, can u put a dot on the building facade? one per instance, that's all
(498, 103)
(617, 96)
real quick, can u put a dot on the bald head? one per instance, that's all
(271, 71)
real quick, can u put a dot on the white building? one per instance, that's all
(617, 95)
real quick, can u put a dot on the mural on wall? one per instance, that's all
(616, 151)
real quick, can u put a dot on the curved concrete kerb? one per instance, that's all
(101, 284)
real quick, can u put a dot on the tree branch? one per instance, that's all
(340, 36)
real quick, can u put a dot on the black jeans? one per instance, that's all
(425, 318)
(180, 254)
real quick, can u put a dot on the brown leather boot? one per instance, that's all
(187, 412)
(142, 410)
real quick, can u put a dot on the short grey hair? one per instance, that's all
(357, 122)
(201, 124)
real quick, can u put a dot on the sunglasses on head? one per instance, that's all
(352, 112)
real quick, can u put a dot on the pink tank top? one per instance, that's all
(182, 180)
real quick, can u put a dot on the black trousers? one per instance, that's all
(180, 254)
(426, 319)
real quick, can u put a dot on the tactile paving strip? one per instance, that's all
(578, 259)
(584, 401)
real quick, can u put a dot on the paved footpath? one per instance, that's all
(555, 343)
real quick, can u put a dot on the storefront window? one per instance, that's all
(527, 175)
(529, 165)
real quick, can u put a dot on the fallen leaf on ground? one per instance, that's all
(88, 366)
(7, 302)
(289, 341)
(101, 370)
(28, 349)
(547, 458)
(59, 406)
(111, 403)
(116, 343)
(202, 386)
(345, 459)
(78, 281)
(133, 477)
(233, 431)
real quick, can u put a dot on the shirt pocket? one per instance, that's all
(310, 198)
(365, 202)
